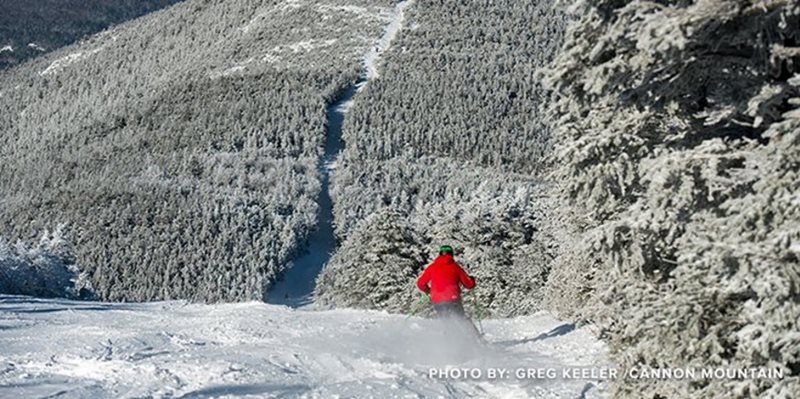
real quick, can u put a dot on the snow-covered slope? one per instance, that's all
(174, 349)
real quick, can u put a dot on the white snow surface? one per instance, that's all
(172, 349)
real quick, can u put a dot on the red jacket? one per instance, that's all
(444, 276)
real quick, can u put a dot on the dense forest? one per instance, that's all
(30, 28)
(676, 133)
(444, 145)
(180, 150)
(459, 83)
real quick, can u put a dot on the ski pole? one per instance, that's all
(478, 311)
(419, 305)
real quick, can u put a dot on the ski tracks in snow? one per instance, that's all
(296, 285)
(174, 349)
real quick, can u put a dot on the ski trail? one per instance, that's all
(373, 57)
(296, 285)
(175, 349)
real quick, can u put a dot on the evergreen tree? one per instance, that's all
(675, 132)
(376, 268)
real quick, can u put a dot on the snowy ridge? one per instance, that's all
(175, 349)
(65, 61)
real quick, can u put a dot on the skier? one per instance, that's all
(442, 280)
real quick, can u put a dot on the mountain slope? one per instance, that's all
(181, 149)
(174, 349)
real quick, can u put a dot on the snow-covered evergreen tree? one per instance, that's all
(495, 226)
(46, 269)
(376, 268)
(675, 127)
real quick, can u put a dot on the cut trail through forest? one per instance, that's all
(296, 286)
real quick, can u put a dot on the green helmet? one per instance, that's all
(445, 249)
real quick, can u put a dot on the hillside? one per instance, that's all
(31, 28)
(632, 166)
(181, 149)
(650, 187)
